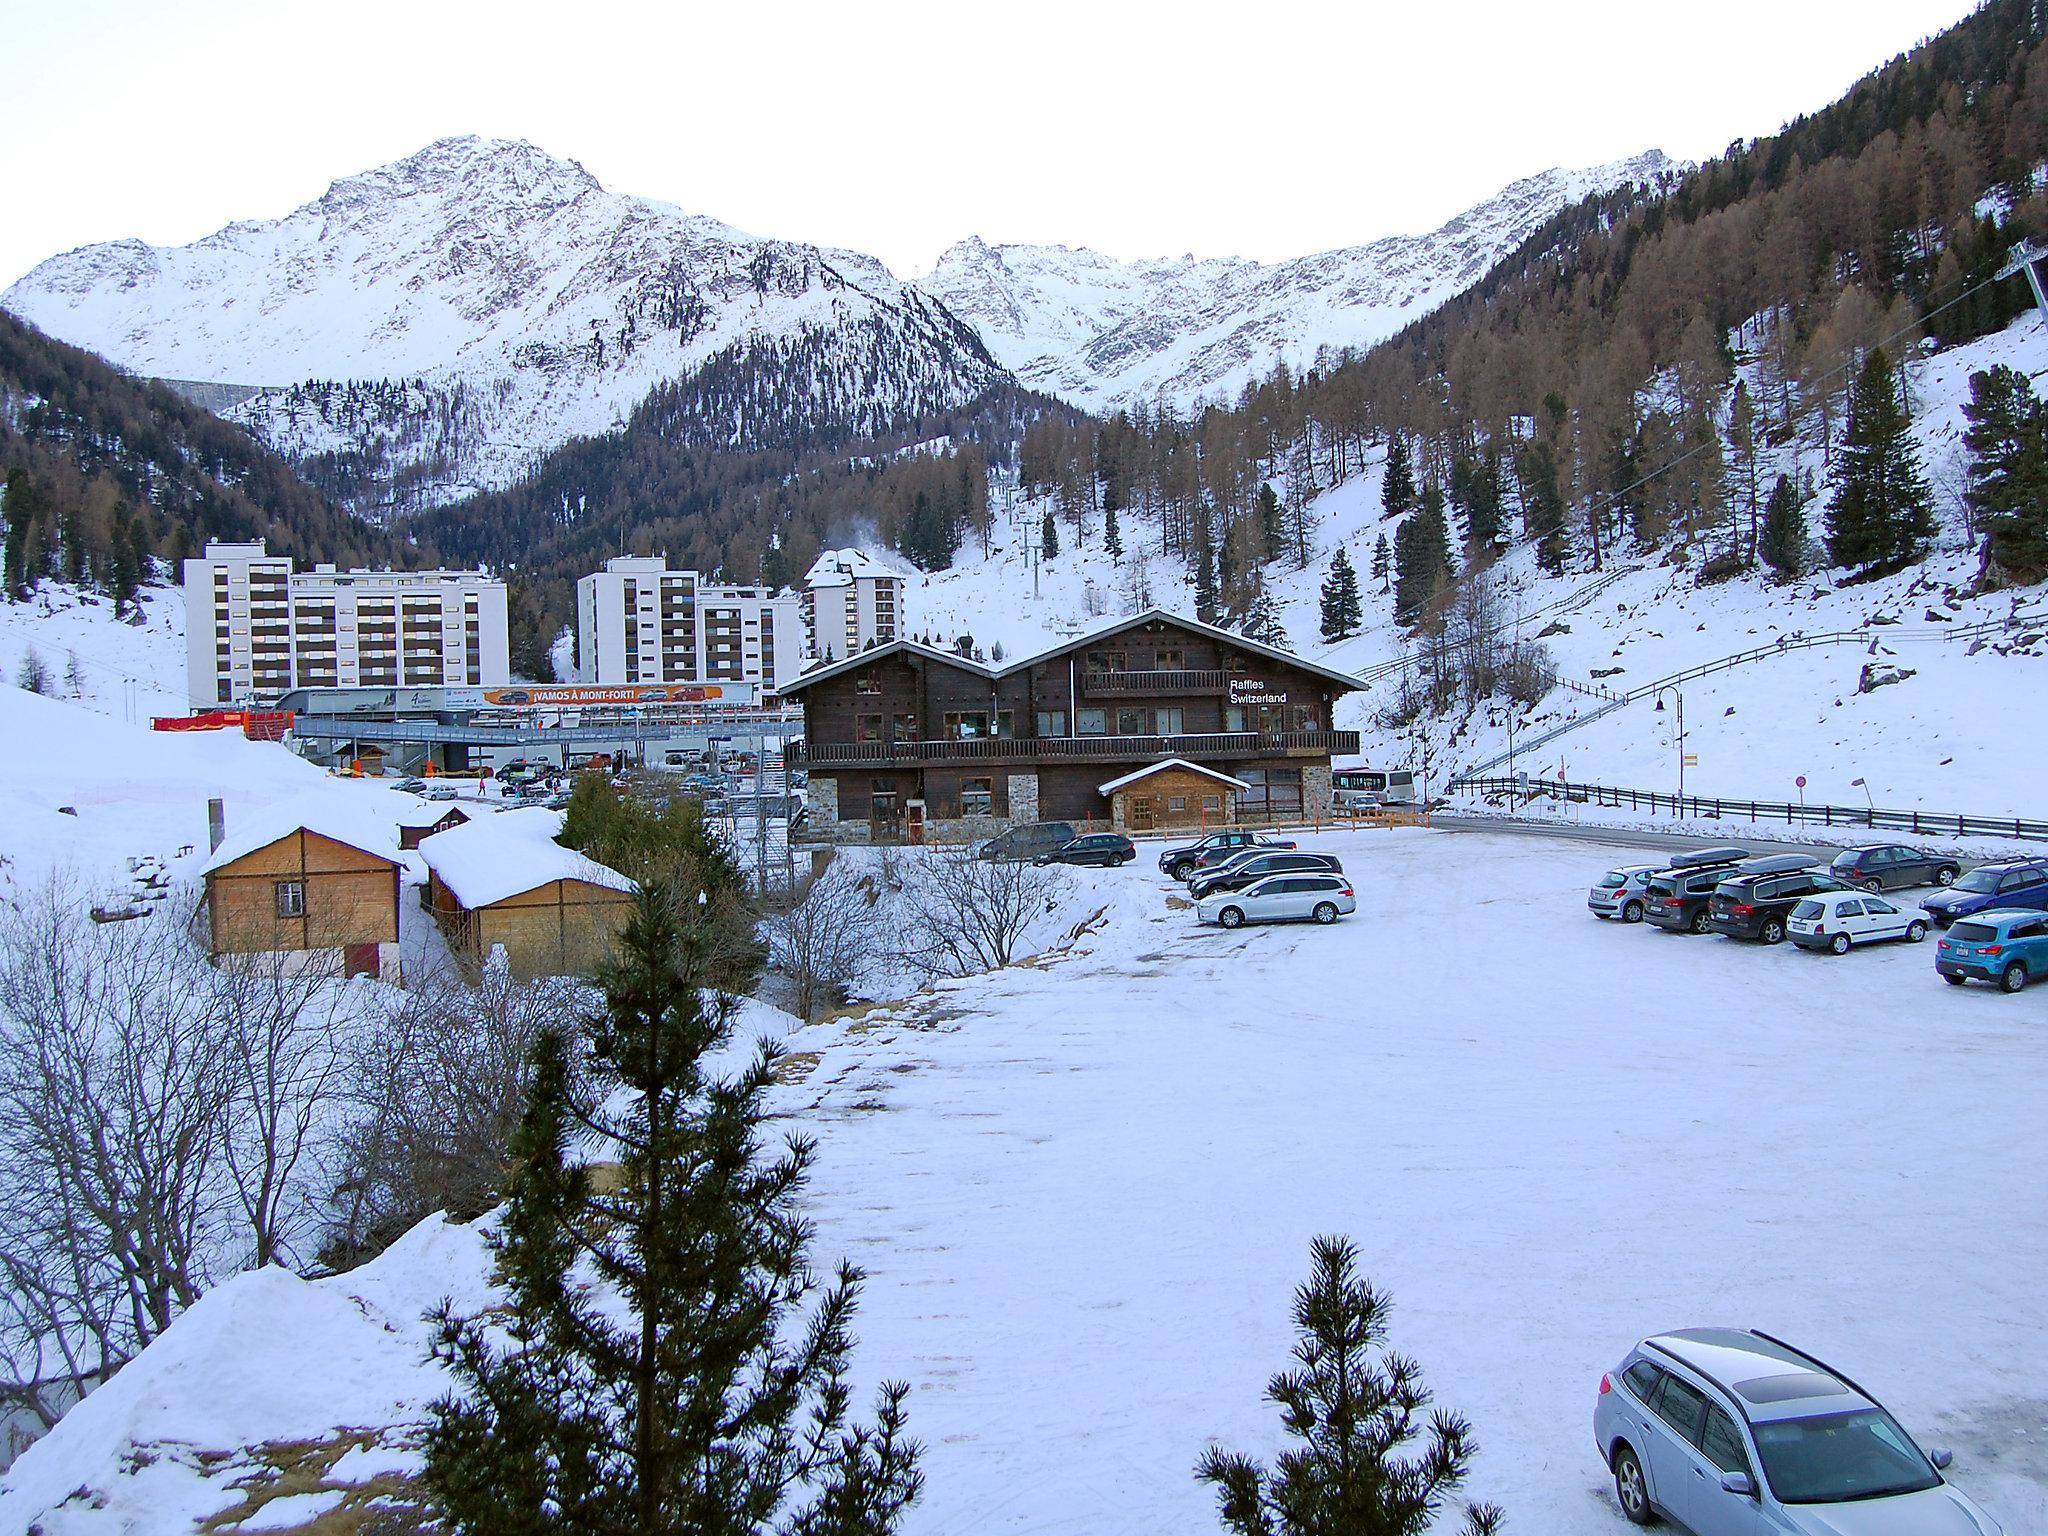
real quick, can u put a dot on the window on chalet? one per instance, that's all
(966, 724)
(1234, 718)
(1304, 718)
(1236, 664)
(869, 681)
(977, 797)
(1168, 722)
(1092, 722)
(1212, 805)
(1108, 661)
(1272, 792)
(1130, 722)
(867, 727)
(1006, 723)
(291, 898)
(1170, 661)
(1052, 722)
(903, 727)
(1272, 717)
(1177, 804)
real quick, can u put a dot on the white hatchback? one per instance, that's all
(1286, 898)
(1838, 919)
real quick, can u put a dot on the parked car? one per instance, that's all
(1892, 867)
(1022, 844)
(1180, 862)
(438, 792)
(1835, 921)
(1754, 899)
(410, 786)
(1620, 892)
(2009, 948)
(1218, 858)
(1677, 899)
(1734, 1433)
(1250, 868)
(2006, 883)
(1108, 848)
(1320, 898)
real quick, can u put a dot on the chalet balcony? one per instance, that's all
(1212, 747)
(1177, 680)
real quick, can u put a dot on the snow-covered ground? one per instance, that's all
(1084, 1190)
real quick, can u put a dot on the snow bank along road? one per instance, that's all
(1085, 1190)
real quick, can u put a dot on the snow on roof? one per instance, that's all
(1172, 762)
(1073, 642)
(426, 813)
(842, 567)
(500, 855)
(366, 822)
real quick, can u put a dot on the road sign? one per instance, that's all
(1691, 760)
(1800, 781)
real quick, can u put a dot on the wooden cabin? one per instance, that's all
(502, 881)
(314, 883)
(1172, 796)
(416, 825)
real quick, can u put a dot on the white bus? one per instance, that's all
(1357, 788)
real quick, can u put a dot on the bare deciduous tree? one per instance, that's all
(824, 938)
(967, 915)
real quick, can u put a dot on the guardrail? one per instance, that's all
(1718, 808)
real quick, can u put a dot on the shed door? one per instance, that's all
(1140, 816)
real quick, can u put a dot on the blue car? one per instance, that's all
(2007, 883)
(2008, 948)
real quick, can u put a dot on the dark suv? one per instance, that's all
(1179, 862)
(2007, 883)
(1754, 898)
(1890, 867)
(1236, 876)
(1677, 899)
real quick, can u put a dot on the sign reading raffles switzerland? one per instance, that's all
(1255, 690)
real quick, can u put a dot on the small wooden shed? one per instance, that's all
(1172, 795)
(416, 825)
(503, 881)
(317, 882)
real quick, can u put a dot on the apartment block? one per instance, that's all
(851, 601)
(255, 628)
(637, 621)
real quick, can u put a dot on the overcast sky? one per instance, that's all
(1266, 129)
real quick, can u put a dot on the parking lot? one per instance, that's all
(1085, 1190)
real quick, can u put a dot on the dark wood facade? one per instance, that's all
(904, 728)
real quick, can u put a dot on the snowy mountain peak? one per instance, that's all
(1106, 333)
(470, 166)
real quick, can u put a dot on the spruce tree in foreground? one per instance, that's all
(1397, 491)
(1048, 537)
(1343, 612)
(666, 1363)
(1783, 542)
(1883, 510)
(1354, 1407)
(2008, 494)
(1382, 562)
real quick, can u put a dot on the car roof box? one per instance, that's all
(1776, 864)
(1701, 858)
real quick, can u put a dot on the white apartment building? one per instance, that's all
(851, 601)
(637, 621)
(255, 629)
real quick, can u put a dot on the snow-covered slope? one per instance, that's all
(492, 301)
(1104, 333)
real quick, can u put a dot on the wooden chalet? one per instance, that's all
(902, 741)
(316, 885)
(502, 881)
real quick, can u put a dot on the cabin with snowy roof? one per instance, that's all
(502, 881)
(316, 882)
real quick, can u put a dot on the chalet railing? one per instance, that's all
(1176, 680)
(1220, 744)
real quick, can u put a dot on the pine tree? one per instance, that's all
(1397, 495)
(1205, 583)
(701, 1385)
(1782, 544)
(1342, 612)
(1048, 537)
(1485, 502)
(1543, 510)
(1882, 511)
(1382, 562)
(2008, 494)
(1262, 621)
(1112, 537)
(1272, 527)
(1357, 1409)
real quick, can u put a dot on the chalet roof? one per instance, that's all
(818, 674)
(510, 852)
(429, 813)
(357, 820)
(1180, 763)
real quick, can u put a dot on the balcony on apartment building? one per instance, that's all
(1216, 746)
